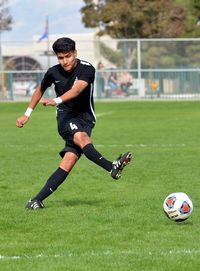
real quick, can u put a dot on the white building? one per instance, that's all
(39, 55)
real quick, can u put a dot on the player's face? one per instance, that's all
(67, 60)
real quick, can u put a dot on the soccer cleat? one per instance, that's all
(34, 204)
(119, 164)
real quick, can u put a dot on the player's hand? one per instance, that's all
(46, 102)
(21, 121)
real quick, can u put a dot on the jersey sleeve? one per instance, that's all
(87, 73)
(47, 80)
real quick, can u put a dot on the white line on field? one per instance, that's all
(104, 114)
(166, 253)
(143, 145)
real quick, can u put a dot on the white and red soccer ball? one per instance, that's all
(178, 206)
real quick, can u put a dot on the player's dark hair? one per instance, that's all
(64, 45)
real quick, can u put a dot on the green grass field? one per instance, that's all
(93, 223)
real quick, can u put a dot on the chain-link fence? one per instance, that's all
(142, 68)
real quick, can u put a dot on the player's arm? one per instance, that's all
(37, 95)
(77, 88)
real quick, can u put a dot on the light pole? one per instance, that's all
(48, 43)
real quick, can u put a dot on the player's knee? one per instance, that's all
(81, 139)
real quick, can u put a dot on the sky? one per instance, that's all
(29, 18)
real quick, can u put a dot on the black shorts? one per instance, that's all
(68, 125)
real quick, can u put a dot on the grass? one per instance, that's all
(93, 222)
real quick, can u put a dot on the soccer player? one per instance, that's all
(73, 80)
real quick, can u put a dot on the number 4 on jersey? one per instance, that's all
(73, 126)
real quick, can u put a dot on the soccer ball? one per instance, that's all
(178, 206)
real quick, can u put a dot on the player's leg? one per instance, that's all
(78, 134)
(54, 181)
(83, 140)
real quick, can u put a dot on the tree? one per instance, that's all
(5, 18)
(195, 5)
(193, 19)
(129, 19)
(135, 18)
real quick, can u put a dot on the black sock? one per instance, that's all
(92, 154)
(56, 179)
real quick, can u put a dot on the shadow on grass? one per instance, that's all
(75, 202)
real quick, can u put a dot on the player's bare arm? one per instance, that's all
(34, 101)
(78, 87)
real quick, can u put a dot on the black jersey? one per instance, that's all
(83, 105)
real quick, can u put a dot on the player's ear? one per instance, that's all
(75, 53)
